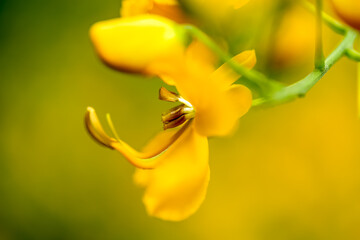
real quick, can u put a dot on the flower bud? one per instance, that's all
(349, 11)
(135, 44)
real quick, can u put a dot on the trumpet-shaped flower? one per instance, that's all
(173, 167)
(349, 11)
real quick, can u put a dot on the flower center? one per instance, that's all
(178, 115)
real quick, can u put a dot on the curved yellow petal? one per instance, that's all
(240, 98)
(218, 114)
(349, 11)
(197, 62)
(211, 94)
(146, 159)
(200, 58)
(226, 73)
(177, 187)
(131, 44)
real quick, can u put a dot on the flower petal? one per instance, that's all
(132, 44)
(218, 115)
(225, 72)
(146, 159)
(177, 187)
(211, 94)
(192, 71)
(198, 61)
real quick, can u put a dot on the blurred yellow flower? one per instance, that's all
(166, 8)
(294, 39)
(214, 4)
(349, 11)
(213, 10)
(121, 44)
(174, 165)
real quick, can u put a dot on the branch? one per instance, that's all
(300, 88)
(353, 54)
(319, 55)
(273, 92)
(251, 77)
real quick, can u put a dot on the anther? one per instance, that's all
(178, 115)
(176, 122)
(167, 95)
(173, 113)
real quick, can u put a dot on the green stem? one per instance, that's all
(300, 88)
(319, 55)
(273, 92)
(335, 25)
(353, 54)
(252, 77)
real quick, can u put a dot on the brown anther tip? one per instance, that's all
(175, 123)
(167, 95)
(173, 113)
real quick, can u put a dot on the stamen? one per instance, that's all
(176, 122)
(95, 129)
(112, 128)
(173, 113)
(182, 100)
(177, 115)
(145, 160)
(167, 95)
(188, 110)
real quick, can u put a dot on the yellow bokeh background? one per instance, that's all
(289, 172)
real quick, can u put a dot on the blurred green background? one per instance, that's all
(289, 172)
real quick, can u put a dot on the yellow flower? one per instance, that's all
(118, 40)
(291, 45)
(349, 11)
(166, 8)
(173, 167)
(121, 44)
(213, 10)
